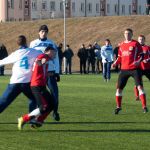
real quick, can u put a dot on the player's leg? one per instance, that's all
(136, 93)
(122, 80)
(9, 95)
(52, 85)
(38, 94)
(138, 81)
(26, 89)
(147, 74)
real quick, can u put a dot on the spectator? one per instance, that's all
(82, 54)
(3, 54)
(97, 50)
(68, 54)
(107, 59)
(60, 56)
(91, 58)
(116, 56)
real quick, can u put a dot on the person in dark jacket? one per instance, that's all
(3, 54)
(82, 54)
(91, 58)
(68, 54)
(115, 57)
(60, 56)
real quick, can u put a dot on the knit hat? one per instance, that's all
(43, 27)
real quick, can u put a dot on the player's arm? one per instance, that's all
(12, 58)
(138, 54)
(42, 59)
(118, 60)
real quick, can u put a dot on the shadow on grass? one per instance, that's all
(40, 130)
(82, 123)
(78, 131)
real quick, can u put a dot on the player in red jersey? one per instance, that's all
(145, 64)
(38, 86)
(129, 57)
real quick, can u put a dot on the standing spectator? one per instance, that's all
(68, 54)
(107, 59)
(129, 56)
(53, 68)
(97, 50)
(60, 55)
(91, 58)
(3, 54)
(116, 56)
(148, 7)
(82, 54)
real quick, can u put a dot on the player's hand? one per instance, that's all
(145, 61)
(57, 76)
(43, 61)
(113, 65)
(136, 63)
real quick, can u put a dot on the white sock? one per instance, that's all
(35, 112)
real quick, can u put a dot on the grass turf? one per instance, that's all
(88, 122)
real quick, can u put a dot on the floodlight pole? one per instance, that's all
(64, 59)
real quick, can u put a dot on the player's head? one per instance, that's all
(128, 33)
(43, 31)
(50, 51)
(21, 40)
(141, 39)
(107, 42)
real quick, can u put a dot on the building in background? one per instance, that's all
(14, 10)
(17, 10)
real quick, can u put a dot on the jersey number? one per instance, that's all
(24, 63)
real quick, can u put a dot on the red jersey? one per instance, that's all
(39, 74)
(146, 51)
(128, 54)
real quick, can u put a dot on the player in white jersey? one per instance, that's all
(22, 60)
(53, 69)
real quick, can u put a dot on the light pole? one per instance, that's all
(64, 4)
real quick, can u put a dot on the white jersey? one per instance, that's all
(22, 60)
(42, 45)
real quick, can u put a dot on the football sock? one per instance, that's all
(136, 92)
(36, 112)
(118, 101)
(143, 100)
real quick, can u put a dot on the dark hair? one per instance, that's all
(142, 36)
(68, 46)
(21, 41)
(107, 40)
(129, 30)
(43, 27)
(50, 47)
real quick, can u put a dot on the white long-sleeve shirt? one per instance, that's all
(39, 44)
(107, 53)
(22, 60)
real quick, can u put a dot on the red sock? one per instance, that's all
(41, 118)
(118, 101)
(26, 118)
(136, 92)
(143, 100)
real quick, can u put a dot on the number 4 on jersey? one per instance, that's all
(24, 63)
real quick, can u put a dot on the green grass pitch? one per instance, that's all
(88, 122)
